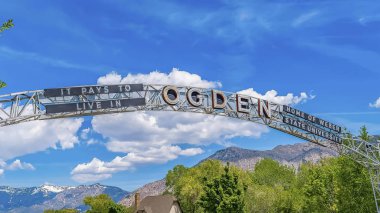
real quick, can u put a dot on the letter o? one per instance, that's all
(193, 97)
(170, 95)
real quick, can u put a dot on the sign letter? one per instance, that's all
(264, 108)
(194, 97)
(219, 100)
(242, 103)
(170, 95)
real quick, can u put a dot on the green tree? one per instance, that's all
(6, 26)
(354, 190)
(104, 204)
(223, 194)
(363, 134)
(270, 173)
(187, 183)
(273, 188)
(336, 185)
(319, 191)
(174, 175)
(2, 84)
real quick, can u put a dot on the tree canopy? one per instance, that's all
(223, 194)
(2, 84)
(104, 204)
(336, 184)
(6, 25)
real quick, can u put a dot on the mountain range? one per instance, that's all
(36, 199)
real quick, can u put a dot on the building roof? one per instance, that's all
(157, 204)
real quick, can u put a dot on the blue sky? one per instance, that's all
(327, 49)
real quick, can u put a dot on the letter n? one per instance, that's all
(264, 108)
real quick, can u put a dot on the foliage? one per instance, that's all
(223, 194)
(62, 211)
(2, 84)
(104, 204)
(363, 134)
(317, 186)
(333, 185)
(270, 173)
(187, 183)
(6, 26)
(354, 186)
(273, 188)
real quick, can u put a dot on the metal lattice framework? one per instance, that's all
(31, 105)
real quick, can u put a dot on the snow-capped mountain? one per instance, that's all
(47, 189)
(47, 196)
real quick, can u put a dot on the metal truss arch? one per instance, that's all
(85, 100)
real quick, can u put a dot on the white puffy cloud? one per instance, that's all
(30, 137)
(175, 77)
(15, 165)
(18, 165)
(376, 104)
(92, 141)
(154, 137)
(272, 95)
(161, 128)
(99, 170)
(34, 136)
(84, 133)
(2, 164)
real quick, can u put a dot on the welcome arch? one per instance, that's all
(78, 101)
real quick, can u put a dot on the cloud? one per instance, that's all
(15, 165)
(364, 20)
(92, 141)
(2, 164)
(160, 128)
(176, 77)
(84, 133)
(30, 137)
(304, 18)
(156, 137)
(34, 136)
(18, 165)
(6, 51)
(272, 95)
(99, 170)
(376, 104)
(368, 59)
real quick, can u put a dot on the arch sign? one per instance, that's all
(104, 99)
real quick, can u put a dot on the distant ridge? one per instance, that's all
(150, 189)
(291, 155)
(37, 199)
